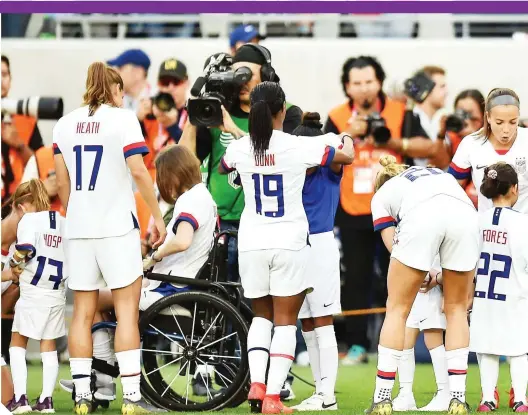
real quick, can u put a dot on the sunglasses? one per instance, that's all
(169, 82)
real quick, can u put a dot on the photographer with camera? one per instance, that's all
(20, 137)
(219, 116)
(370, 117)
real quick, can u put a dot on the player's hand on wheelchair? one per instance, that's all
(428, 283)
(149, 262)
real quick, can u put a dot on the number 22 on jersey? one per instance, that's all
(485, 271)
(271, 187)
(80, 156)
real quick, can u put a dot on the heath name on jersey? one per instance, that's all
(95, 149)
(474, 154)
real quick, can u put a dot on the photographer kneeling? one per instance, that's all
(209, 132)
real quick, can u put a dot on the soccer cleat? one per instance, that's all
(21, 406)
(139, 407)
(520, 407)
(203, 386)
(286, 393)
(439, 403)
(356, 355)
(256, 395)
(487, 407)
(457, 407)
(44, 407)
(317, 402)
(273, 405)
(103, 391)
(512, 398)
(380, 408)
(83, 406)
(403, 403)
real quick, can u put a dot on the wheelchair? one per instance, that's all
(200, 332)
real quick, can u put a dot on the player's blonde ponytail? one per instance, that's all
(33, 192)
(99, 83)
(389, 170)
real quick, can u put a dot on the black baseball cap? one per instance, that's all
(173, 68)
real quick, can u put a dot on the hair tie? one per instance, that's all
(492, 174)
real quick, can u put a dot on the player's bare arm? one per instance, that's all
(146, 188)
(63, 180)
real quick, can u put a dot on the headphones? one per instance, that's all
(267, 73)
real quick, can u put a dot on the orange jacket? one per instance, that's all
(357, 184)
(46, 165)
(24, 126)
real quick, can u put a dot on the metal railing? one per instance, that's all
(321, 25)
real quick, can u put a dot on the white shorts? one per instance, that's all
(426, 312)
(114, 262)
(323, 272)
(275, 272)
(441, 225)
(39, 323)
(155, 291)
(2, 361)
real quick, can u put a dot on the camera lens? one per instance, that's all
(207, 111)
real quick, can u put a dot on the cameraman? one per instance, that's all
(362, 81)
(210, 143)
(163, 117)
(20, 139)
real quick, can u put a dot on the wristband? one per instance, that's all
(405, 144)
(436, 278)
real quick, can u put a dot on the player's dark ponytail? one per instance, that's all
(310, 126)
(267, 100)
(498, 179)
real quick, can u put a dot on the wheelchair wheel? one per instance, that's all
(190, 338)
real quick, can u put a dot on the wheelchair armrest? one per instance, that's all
(178, 280)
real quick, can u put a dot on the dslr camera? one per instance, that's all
(377, 127)
(41, 108)
(219, 85)
(418, 87)
(456, 122)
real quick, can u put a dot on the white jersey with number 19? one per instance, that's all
(274, 215)
(95, 149)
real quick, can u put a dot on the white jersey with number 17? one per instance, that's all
(274, 215)
(95, 149)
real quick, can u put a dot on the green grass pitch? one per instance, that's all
(354, 388)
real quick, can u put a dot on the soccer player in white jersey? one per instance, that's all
(273, 236)
(426, 315)
(500, 139)
(26, 197)
(184, 252)
(97, 147)
(39, 312)
(500, 303)
(422, 212)
(320, 201)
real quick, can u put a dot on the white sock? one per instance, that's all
(81, 369)
(282, 353)
(130, 371)
(388, 361)
(489, 375)
(258, 344)
(457, 364)
(310, 339)
(438, 357)
(18, 370)
(328, 358)
(50, 371)
(102, 350)
(406, 368)
(519, 376)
